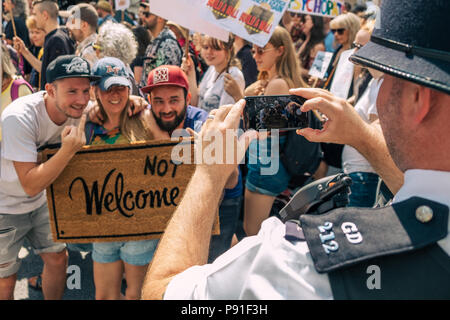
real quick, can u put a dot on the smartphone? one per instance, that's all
(275, 112)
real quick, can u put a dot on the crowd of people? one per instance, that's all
(114, 93)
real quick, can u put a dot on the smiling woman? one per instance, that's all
(112, 91)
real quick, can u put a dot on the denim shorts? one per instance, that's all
(137, 253)
(266, 173)
(363, 189)
(14, 228)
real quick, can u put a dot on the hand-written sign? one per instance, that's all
(117, 193)
(320, 64)
(327, 8)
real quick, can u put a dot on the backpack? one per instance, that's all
(15, 87)
(299, 156)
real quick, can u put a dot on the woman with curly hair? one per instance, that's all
(116, 40)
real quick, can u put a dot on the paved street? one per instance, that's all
(32, 265)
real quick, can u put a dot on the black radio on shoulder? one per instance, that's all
(318, 197)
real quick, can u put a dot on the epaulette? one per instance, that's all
(346, 236)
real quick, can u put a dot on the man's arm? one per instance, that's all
(35, 177)
(185, 242)
(345, 126)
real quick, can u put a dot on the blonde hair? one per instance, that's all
(287, 65)
(132, 128)
(31, 23)
(348, 21)
(368, 26)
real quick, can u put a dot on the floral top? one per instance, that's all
(98, 135)
(163, 50)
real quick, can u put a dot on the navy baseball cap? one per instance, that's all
(111, 72)
(68, 66)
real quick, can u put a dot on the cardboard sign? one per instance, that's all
(343, 76)
(117, 193)
(122, 4)
(253, 20)
(186, 14)
(320, 64)
(325, 8)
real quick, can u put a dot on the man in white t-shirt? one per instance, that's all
(30, 123)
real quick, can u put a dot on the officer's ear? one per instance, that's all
(422, 103)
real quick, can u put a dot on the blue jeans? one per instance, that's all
(259, 157)
(363, 188)
(229, 211)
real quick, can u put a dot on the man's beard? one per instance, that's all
(171, 125)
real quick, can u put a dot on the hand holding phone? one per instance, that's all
(275, 112)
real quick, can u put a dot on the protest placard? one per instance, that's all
(117, 192)
(327, 8)
(187, 15)
(122, 4)
(343, 75)
(252, 20)
(320, 64)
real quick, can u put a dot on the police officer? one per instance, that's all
(397, 252)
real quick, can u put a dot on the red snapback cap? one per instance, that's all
(166, 75)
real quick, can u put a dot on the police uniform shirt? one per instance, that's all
(267, 266)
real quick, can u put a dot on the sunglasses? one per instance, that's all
(97, 47)
(339, 31)
(146, 14)
(260, 51)
(356, 45)
(293, 14)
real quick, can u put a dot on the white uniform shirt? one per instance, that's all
(26, 127)
(267, 266)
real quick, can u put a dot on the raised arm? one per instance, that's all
(345, 126)
(185, 242)
(35, 177)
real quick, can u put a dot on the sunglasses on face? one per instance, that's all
(295, 14)
(356, 45)
(260, 51)
(339, 31)
(146, 14)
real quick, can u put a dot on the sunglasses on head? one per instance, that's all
(356, 45)
(260, 51)
(339, 31)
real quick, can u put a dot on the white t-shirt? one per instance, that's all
(26, 127)
(211, 93)
(352, 160)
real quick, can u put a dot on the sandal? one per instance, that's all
(35, 283)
